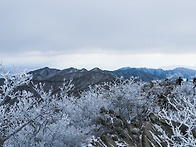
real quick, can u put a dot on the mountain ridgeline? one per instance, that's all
(96, 75)
(82, 78)
(147, 74)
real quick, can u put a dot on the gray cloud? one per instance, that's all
(87, 26)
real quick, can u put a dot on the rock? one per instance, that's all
(108, 141)
(132, 136)
(194, 132)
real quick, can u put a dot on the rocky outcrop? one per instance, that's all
(131, 136)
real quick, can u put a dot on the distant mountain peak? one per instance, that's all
(44, 68)
(182, 68)
(44, 73)
(71, 70)
(125, 68)
(83, 70)
(96, 69)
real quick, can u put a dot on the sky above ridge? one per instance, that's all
(98, 33)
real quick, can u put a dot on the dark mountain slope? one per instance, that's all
(81, 79)
(44, 73)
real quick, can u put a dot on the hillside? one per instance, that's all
(81, 79)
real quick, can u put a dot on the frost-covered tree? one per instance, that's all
(27, 120)
(10, 118)
(124, 98)
(31, 116)
(180, 116)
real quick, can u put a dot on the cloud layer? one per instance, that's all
(62, 27)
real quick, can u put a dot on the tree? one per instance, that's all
(180, 116)
(26, 119)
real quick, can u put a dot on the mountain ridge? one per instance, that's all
(144, 74)
(82, 79)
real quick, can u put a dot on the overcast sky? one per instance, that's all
(98, 33)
